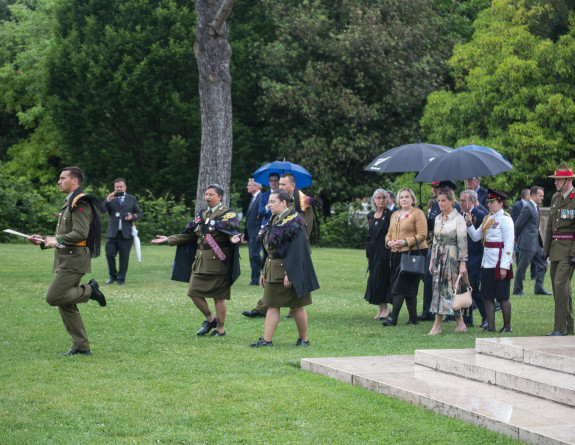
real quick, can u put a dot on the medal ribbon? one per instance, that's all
(214, 245)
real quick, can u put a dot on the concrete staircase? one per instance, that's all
(521, 387)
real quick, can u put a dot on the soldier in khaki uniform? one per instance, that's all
(559, 246)
(77, 239)
(304, 206)
(210, 238)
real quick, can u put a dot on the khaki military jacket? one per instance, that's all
(561, 220)
(72, 229)
(206, 261)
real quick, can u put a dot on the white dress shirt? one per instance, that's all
(503, 231)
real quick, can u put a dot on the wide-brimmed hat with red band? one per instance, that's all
(562, 172)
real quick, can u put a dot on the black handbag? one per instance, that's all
(413, 264)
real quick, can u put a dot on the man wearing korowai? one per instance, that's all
(208, 258)
(76, 241)
(559, 246)
(306, 207)
(288, 275)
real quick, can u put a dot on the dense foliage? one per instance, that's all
(514, 90)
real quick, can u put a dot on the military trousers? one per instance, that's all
(65, 292)
(561, 275)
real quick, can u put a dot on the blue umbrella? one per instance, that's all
(302, 176)
(482, 148)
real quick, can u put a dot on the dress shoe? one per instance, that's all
(543, 292)
(557, 334)
(207, 326)
(483, 324)
(254, 283)
(426, 317)
(504, 330)
(288, 316)
(110, 280)
(300, 342)
(497, 307)
(261, 342)
(76, 351)
(96, 294)
(389, 322)
(518, 293)
(486, 329)
(121, 282)
(412, 322)
(253, 314)
(218, 334)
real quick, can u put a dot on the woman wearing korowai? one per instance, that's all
(448, 260)
(209, 242)
(497, 232)
(407, 225)
(288, 276)
(378, 256)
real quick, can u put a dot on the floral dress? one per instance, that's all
(449, 248)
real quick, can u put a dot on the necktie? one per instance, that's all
(121, 201)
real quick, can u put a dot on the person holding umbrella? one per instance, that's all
(407, 228)
(497, 233)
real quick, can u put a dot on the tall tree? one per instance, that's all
(347, 80)
(213, 53)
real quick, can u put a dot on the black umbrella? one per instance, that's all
(463, 164)
(406, 158)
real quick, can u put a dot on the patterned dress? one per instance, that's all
(449, 248)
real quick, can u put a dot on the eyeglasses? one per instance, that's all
(274, 180)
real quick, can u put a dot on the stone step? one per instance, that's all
(533, 380)
(557, 353)
(521, 416)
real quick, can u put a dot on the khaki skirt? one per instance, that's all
(276, 295)
(209, 286)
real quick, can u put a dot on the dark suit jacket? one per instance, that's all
(263, 211)
(516, 210)
(527, 229)
(482, 196)
(130, 205)
(253, 219)
(475, 248)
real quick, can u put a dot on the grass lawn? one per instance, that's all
(152, 380)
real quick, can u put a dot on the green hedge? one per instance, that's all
(342, 229)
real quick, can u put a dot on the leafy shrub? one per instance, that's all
(342, 229)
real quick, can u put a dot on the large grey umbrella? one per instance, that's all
(463, 164)
(406, 158)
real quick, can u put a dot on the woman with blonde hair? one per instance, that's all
(448, 260)
(407, 228)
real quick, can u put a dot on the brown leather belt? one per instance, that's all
(83, 243)
(206, 246)
(274, 256)
(564, 236)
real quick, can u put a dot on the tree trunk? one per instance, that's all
(213, 53)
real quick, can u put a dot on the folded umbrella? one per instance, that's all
(137, 244)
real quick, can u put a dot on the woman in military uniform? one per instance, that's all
(497, 233)
(210, 240)
(288, 276)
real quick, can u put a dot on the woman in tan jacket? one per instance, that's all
(407, 225)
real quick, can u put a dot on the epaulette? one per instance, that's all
(507, 214)
(76, 199)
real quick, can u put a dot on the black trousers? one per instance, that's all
(256, 258)
(120, 245)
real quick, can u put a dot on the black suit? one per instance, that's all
(530, 246)
(474, 257)
(253, 224)
(482, 196)
(120, 240)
